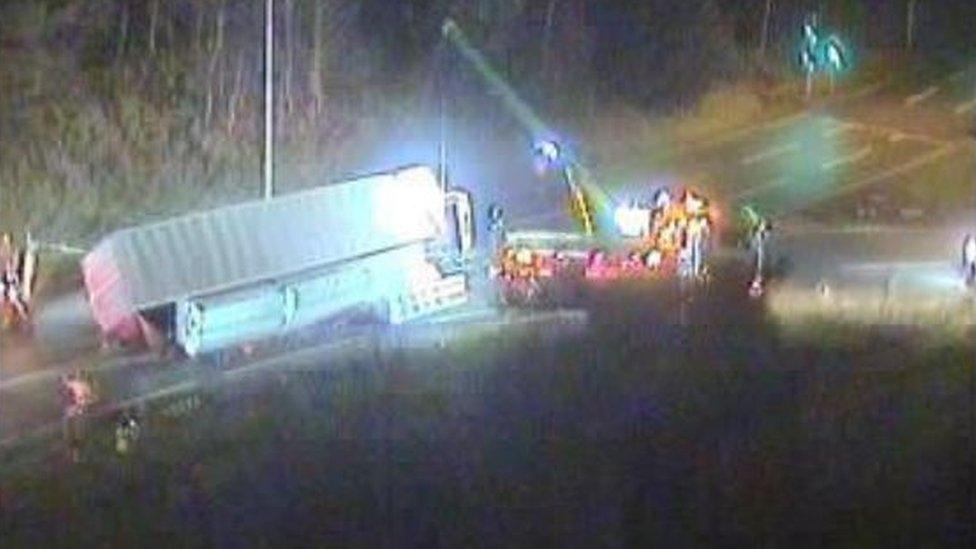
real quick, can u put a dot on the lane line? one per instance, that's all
(902, 136)
(894, 265)
(849, 159)
(819, 229)
(963, 108)
(842, 127)
(889, 131)
(919, 97)
(913, 164)
(778, 182)
(68, 366)
(731, 135)
(770, 153)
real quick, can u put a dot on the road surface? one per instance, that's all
(862, 139)
(872, 137)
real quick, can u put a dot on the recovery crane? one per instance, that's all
(581, 191)
(645, 240)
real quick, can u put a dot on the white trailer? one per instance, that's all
(396, 242)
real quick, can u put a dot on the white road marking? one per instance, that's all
(66, 367)
(919, 97)
(913, 164)
(778, 182)
(916, 137)
(735, 134)
(894, 265)
(906, 167)
(839, 128)
(820, 229)
(887, 131)
(963, 108)
(849, 159)
(770, 153)
(33, 377)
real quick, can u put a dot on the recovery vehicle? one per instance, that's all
(667, 237)
(664, 238)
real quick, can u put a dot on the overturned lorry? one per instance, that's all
(394, 242)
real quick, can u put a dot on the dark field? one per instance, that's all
(655, 426)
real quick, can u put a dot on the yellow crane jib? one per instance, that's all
(580, 205)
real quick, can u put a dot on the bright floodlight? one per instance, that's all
(662, 199)
(631, 221)
(548, 150)
(410, 204)
(835, 58)
(809, 33)
(693, 204)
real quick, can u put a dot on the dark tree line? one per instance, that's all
(146, 93)
(205, 55)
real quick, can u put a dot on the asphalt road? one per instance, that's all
(871, 137)
(859, 140)
(862, 140)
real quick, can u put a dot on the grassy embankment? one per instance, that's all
(748, 438)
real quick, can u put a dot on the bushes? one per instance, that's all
(626, 142)
(720, 109)
(730, 105)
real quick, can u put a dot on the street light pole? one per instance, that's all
(268, 99)
(910, 26)
(442, 114)
(765, 28)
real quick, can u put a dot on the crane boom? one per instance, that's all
(580, 205)
(581, 192)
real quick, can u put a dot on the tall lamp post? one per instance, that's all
(268, 100)
(442, 114)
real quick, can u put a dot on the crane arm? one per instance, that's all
(581, 193)
(579, 202)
